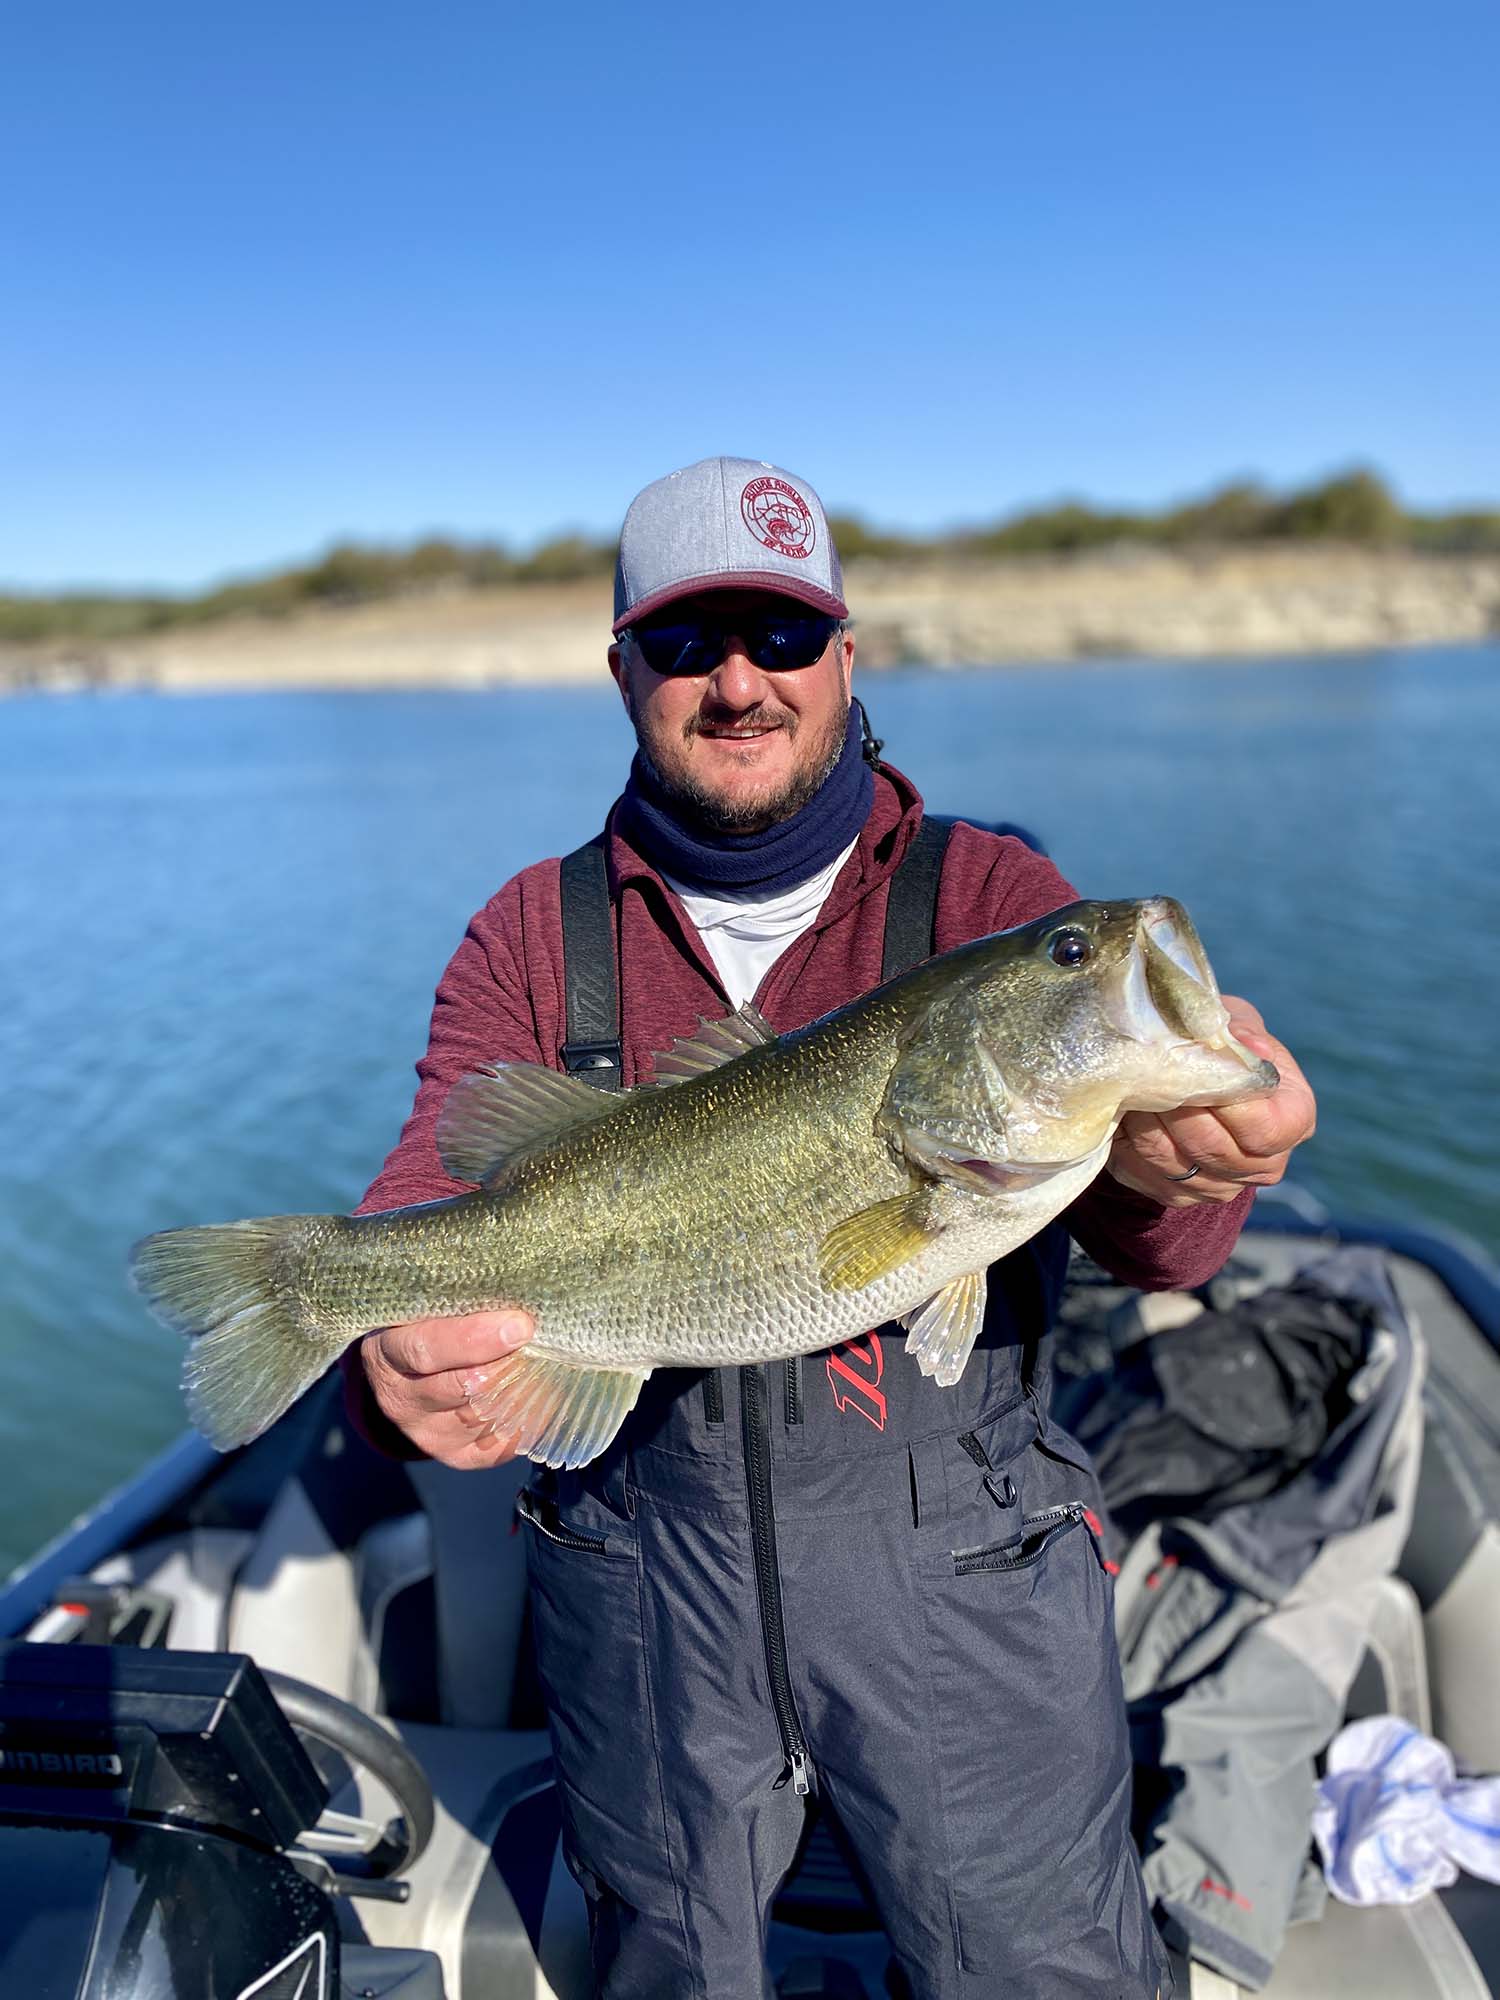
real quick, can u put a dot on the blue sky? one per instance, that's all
(282, 274)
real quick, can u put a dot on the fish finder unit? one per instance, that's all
(145, 1800)
(103, 1733)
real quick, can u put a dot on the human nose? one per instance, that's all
(736, 682)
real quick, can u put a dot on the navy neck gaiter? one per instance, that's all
(752, 864)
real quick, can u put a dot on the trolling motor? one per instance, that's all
(148, 1800)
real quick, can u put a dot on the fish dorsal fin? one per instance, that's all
(715, 1043)
(494, 1113)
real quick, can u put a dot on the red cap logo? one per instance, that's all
(778, 517)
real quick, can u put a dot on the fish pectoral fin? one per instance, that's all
(493, 1113)
(876, 1241)
(714, 1044)
(941, 1332)
(556, 1411)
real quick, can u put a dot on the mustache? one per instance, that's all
(757, 718)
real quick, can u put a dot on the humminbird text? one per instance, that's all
(103, 1764)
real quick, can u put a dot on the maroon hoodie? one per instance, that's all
(501, 999)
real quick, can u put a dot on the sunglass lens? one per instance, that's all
(782, 645)
(685, 648)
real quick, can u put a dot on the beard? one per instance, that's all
(753, 815)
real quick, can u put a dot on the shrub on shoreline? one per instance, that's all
(1353, 508)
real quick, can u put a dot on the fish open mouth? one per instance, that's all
(1169, 995)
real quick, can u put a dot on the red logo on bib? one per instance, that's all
(853, 1372)
(778, 517)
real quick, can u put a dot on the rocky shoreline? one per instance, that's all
(1128, 602)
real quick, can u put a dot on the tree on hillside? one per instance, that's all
(1356, 506)
(1237, 512)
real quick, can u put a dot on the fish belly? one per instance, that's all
(718, 1315)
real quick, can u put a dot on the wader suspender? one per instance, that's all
(593, 1050)
(911, 908)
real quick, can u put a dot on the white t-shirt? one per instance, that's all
(744, 938)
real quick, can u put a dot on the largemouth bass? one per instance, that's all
(783, 1194)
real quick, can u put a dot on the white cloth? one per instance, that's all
(744, 938)
(1394, 1820)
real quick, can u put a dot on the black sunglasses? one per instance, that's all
(777, 641)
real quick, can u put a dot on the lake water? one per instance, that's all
(221, 920)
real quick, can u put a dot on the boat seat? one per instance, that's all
(295, 1606)
(413, 1607)
(490, 1896)
(1392, 1677)
(477, 1560)
(1445, 1947)
(1452, 1561)
(367, 1974)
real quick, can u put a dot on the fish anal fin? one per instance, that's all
(493, 1113)
(941, 1332)
(714, 1044)
(558, 1412)
(876, 1241)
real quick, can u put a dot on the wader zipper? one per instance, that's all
(713, 1398)
(755, 1420)
(794, 1390)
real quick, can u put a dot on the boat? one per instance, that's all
(269, 1728)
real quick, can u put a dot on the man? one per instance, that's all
(831, 1577)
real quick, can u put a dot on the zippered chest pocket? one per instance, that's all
(1037, 1534)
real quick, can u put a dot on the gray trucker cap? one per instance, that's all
(726, 523)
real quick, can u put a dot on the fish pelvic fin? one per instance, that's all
(254, 1350)
(941, 1332)
(876, 1241)
(558, 1412)
(491, 1114)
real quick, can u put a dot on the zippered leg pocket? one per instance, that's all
(542, 1514)
(1036, 1535)
(1030, 1747)
(586, 1592)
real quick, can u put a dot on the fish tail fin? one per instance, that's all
(255, 1348)
(558, 1412)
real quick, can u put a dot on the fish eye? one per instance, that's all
(1069, 947)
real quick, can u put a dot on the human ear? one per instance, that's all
(621, 674)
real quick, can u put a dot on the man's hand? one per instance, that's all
(423, 1375)
(1233, 1146)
